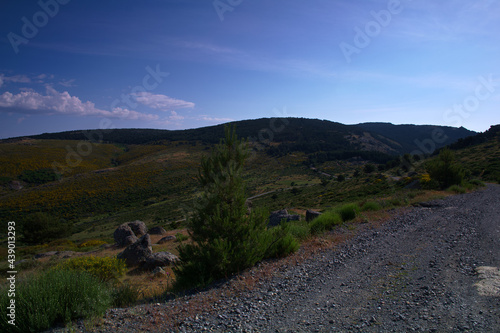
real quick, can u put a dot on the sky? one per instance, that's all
(177, 64)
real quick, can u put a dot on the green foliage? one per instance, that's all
(54, 297)
(445, 170)
(40, 228)
(348, 212)
(371, 205)
(180, 237)
(103, 268)
(325, 222)
(281, 242)
(125, 295)
(369, 168)
(226, 239)
(40, 176)
(457, 189)
(477, 182)
(300, 230)
(340, 178)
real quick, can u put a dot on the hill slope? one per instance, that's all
(289, 134)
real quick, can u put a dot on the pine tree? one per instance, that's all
(226, 239)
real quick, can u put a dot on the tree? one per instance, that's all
(445, 170)
(226, 238)
(369, 168)
(40, 228)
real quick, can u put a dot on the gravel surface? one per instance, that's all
(433, 268)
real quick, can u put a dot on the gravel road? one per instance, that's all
(433, 268)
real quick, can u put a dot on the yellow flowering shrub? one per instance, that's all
(104, 268)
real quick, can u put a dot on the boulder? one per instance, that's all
(279, 215)
(158, 272)
(311, 215)
(167, 239)
(159, 259)
(138, 227)
(157, 231)
(137, 253)
(124, 236)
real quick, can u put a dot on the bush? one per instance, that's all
(477, 182)
(324, 222)
(348, 212)
(445, 170)
(125, 295)
(281, 243)
(39, 176)
(300, 230)
(103, 268)
(54, 297)
(371, 205)
(180, 237)
(40, 228)
(457, 189)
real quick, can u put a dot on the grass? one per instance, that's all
(325, 222)
(53, 297)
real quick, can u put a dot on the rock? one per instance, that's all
(16, 185)
(137, 253)
(138, 227)
(124, 236)
(158, 272)
(277, 216)
(157, 231)
(311, 215)
(159, 259)
(167, 239)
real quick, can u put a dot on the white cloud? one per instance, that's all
(161, 102)
(15, 79)
(67, 83)
(61, 103)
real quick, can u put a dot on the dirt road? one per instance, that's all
(432, 269)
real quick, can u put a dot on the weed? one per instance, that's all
(325, 221)
(371, 206)
(103, 268)
(53, 297)
(348, 212)
(125, 295)
(457, 189)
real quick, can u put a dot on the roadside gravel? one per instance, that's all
(416, 272)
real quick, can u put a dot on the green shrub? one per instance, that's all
(348, 212)
(282, 243)
(371, 205)
(477, 182)
(125, 295)
(298, 229)
(180, 237)
(325, 221)
(40, 228)
(445, 170)
(39, 176)
(457, 189)
(103, 268)
(54, 297)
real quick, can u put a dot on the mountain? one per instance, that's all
(409, 138)
(284, 135)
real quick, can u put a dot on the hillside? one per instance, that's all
(405, 138)
(480, 154)
(286, 134)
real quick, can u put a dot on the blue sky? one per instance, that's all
(175, 64)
